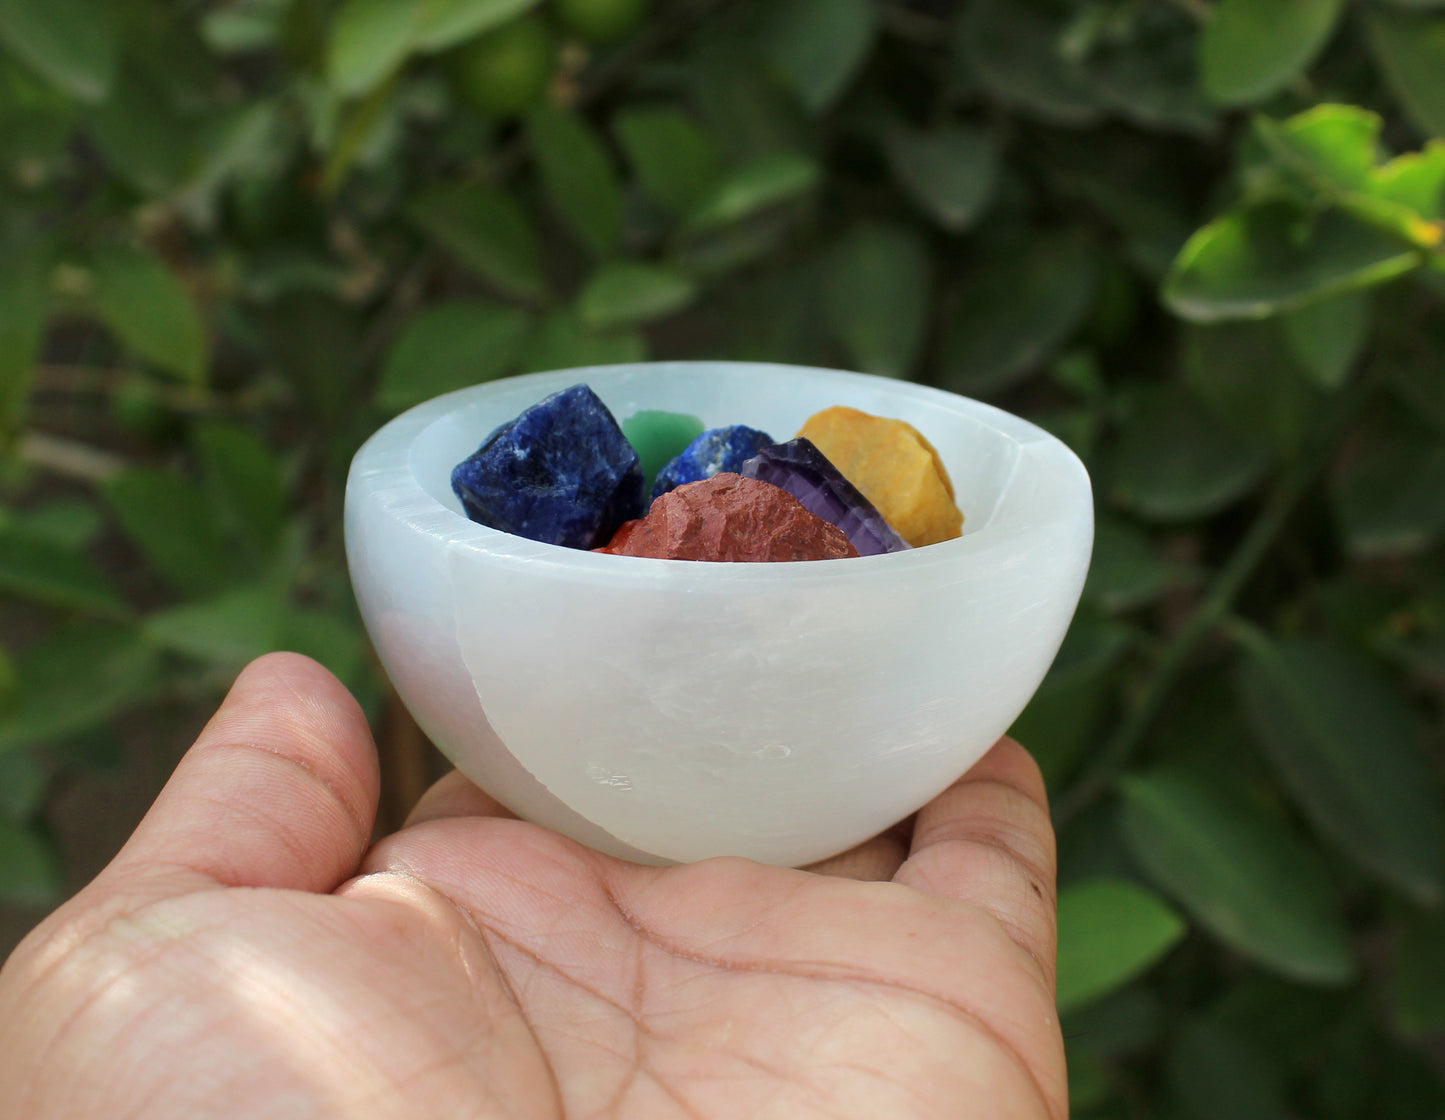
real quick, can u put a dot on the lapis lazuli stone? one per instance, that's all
(806, 473)
(561, 473)
(712, 453)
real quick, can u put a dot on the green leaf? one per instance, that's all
(1065, 713)
(1415, 180)
(24, 778)
(169, 519)
(1280, 1018)
(361, 124)
(30, 872)
(1110, 931)
(563, 341)
(1140, 64)
(163, 42)
(369, 40)
(951, 173)
(46, 572)
(70, 43)
(1206, 729)
(316, 344)
(1335, 146)
(244, 26)
(24, 309)
(1389, 491)
(441, 24)
(36, 123)
(1329, 154)
(1412, 375)
(757, 186)
(244, 485)
(1410, 50)
(1327, 337)
(1124, 1023)
(818, 46)
(1091, 1085)
(876, 295)
(70, 523)
(625, 293)
(141, 135)
(675, 161)
(577, 176)
(1243, 874)
(1020, 308)
(1417, 975)
(451, 345)
(76, 678)
(1271, 258)
(1250, 379)
(1221, 1076)
(487, 231)
(1347, 745)
(1128, 570)
(228, 631)
(336, 639)
(1176, 462)
(1253, 48)
(1138, 195)
(231, 145)
(150, 310)
(1013, 48)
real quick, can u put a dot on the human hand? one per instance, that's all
(245, 955)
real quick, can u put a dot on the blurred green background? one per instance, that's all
(1201, 240)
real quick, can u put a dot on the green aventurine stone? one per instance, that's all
(660, 437)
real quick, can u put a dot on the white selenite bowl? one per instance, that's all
(665, 710)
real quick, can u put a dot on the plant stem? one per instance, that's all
(1106, 765)
(70, 458)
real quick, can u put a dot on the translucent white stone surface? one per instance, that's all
(665, 710)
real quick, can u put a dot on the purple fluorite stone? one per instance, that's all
(805, 472)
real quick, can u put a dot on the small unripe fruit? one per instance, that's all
(505, 72)
(137, 405)
(601, 21)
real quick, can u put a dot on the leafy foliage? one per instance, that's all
(1201, 240)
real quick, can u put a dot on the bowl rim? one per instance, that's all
(382, 472)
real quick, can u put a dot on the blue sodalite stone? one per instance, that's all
(806, 473)
(561, 473)
(712, 453)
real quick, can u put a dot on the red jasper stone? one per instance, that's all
(730, 519)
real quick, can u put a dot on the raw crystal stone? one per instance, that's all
(714, 452)
(730, 518)
(895, 467)
(561, 473)
(660, 437)
(804, 472)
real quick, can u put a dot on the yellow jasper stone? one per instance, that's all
(896, 469)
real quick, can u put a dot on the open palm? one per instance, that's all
(245, 955)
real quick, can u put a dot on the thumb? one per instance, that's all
(280, 789)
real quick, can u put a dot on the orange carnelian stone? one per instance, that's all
(895, 467)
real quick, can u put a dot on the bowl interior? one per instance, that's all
(979, 453)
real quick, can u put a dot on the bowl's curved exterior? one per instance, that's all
(669, 710)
